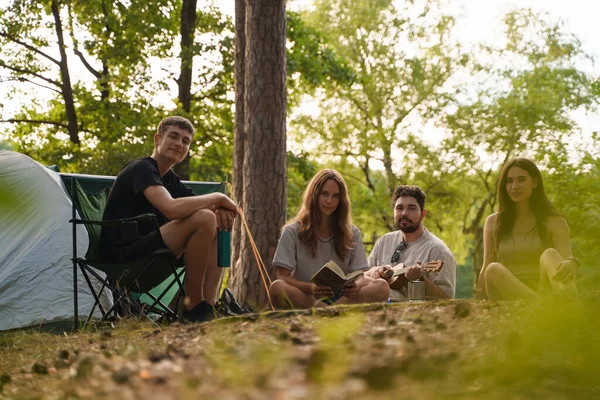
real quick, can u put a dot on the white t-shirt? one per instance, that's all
(295, 256)
(426, 248)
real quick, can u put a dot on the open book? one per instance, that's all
(332, 275)
(400, 269)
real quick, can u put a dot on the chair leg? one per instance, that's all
(135, 283)
(118, 298)
(157, 300)
(96, 296)
(122, 294)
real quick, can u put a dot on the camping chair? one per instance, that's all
(139, 287)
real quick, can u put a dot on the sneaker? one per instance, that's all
(203, 312)
(228, 299)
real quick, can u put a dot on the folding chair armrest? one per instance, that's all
(117, 222)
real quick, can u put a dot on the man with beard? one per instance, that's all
(411, 245)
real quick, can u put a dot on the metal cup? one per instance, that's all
(416, 290)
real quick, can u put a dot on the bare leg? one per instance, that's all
(194, 235)
(480, 292)
(549, 263)
(288, 296)
(501, 284)
(213, 275)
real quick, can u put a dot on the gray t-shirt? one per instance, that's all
(295, 256)
(427, 247)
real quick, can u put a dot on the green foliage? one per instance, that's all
(464, 280)
(117, 106)
(311, 62)
(300, 171)
(574, 189)
(402, 55)
(117, 33)
(112, 106)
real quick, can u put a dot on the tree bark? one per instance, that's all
(264, 163)
(66, 88)
(238, 234)
(184, 82)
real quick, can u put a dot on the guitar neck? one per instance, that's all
(428, 266)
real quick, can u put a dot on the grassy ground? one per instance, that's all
(454, 349)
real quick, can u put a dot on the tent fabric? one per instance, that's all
(36, 271)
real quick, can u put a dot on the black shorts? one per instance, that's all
(138, 249)
(126, 263)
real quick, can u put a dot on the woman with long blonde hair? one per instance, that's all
(526, 243)
(322, 232)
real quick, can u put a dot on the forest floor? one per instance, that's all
(425, 350)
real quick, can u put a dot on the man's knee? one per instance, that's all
(380, 290)
(204, 221)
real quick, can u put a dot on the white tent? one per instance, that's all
(36, 242)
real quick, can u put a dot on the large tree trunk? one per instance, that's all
(238, 234)
(264, 168)
(184, 82)
(66, 88)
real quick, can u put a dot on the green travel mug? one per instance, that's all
(223, 248)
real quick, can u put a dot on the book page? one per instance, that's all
(327, 277)
(335, 268)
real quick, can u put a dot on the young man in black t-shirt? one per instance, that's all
(188, 223)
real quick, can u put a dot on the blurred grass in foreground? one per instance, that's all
(454, 349)
(8, 202)
(550, 348)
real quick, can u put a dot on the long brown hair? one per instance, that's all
(309, 216)
(540, 205)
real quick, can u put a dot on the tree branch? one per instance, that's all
(365, 169)
(29, 47)
(76, 45)
(21, 79)
(87, 65)
(476, 221)
(26, 72)
(424, 96)
(466, 216)
(33, 121)
(359, 105)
